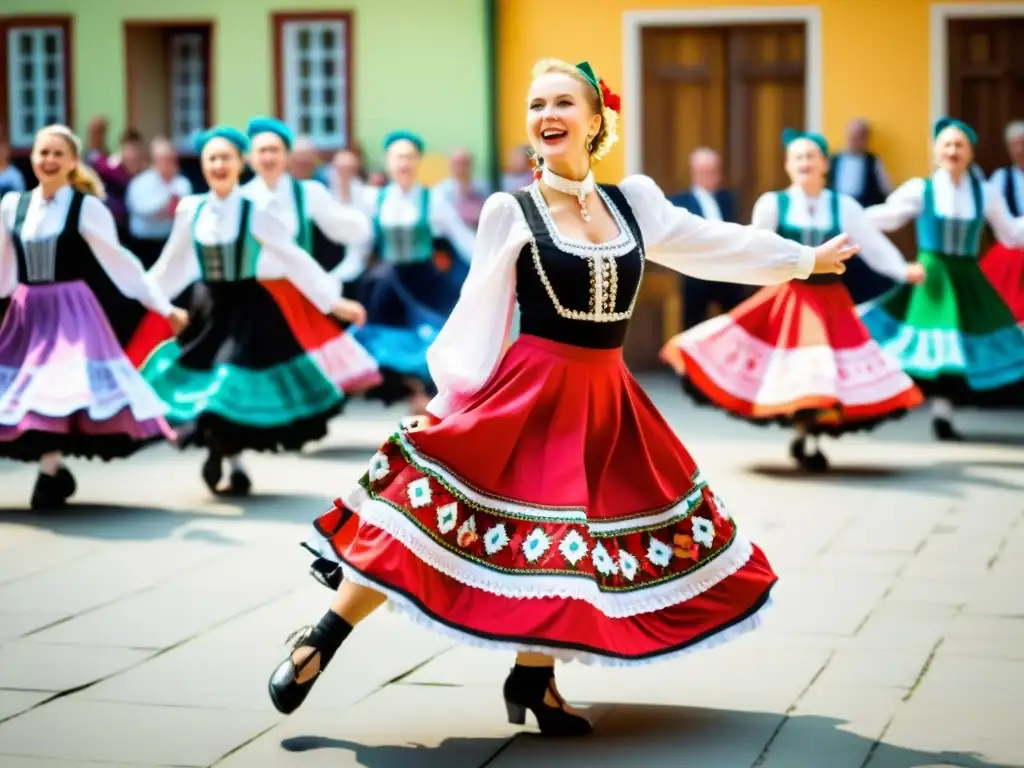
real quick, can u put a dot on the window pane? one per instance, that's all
(304, 39)
(329, 96)
(304, 97)
(28, 124)
(51, 71)
(28, 98)
(307, 124)
(26, 43)
(305, 68)
(327, 39)
(51, 43)
(329, 67)
(329, 125)
(52, 118)
(28, 71)
(52, 98)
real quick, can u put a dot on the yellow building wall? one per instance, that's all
(875, 63)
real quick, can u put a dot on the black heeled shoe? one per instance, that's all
(239, 484)
(817, 462)
(286, 692)
(944, 431)
(48, 493)
(66, 482)
(798, 450)
(525, 688)
(213, 470)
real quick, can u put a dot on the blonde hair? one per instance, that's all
(81, 177)
(606, 136)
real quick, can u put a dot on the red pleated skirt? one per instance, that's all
(790, 349)
(556, 512)
(1004, 268)
(153, 331)
(342, 358)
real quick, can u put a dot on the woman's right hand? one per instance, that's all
(178, 320)
(349, 311)
(829, 257)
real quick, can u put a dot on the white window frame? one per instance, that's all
(293, 84)
(17, 111)
(194, 92)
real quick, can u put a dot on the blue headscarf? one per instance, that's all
(409, 136)
(789, 135)
(949, 122)
(263, 124)
(235, 136)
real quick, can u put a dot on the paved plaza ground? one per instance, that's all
(139, 628)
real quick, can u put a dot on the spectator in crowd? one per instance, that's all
(117, 171)
(151, 200)
(518, 174)
(342, 179)
(11, 179)
(96, 140)
(461, 190)
(304, 163)
(707, 199)
(377, 179)
(858, 172)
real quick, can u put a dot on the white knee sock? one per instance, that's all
(942, 408)
(49, 464)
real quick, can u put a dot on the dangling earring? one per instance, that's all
(590, 143)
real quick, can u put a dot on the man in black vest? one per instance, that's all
(860, 174)
(707, 200)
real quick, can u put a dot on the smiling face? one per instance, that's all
(953, 151)
(403, 161)
(268, 155)
(806, 164)
(561, 117)
(53, 158)
(222, 165)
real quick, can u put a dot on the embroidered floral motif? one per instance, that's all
(602, 560)
(495, 539)
(659, 553)
(467, 532)
(628, 565)
(379, 467)
(509, 537)
(419, 491)
(536, 544)
(573, 547)
(703, 531)
(447, 517)
(719, 505)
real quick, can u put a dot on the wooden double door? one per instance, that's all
(732, 89)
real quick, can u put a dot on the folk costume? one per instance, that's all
(952, 334)
(66, 386)
(1002, 265)
(796, 353)
(422, 249)
(305, 207)
(237, 377)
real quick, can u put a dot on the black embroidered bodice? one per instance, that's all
(61, 258)
(578, 293)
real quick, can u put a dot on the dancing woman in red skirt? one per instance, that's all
(1003, 265)
(544, 507)
(797, 354)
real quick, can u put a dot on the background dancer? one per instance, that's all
(304, 207)
(952, 334)
(423, 249)
(797, 354)
(66, 387)
(1004, 267)
(551, 511)
(237, 376)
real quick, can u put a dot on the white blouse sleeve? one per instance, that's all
(8, 263)
(299, 267)
(903, 205)
(712, 250)
(446, 222)
(1008, 230)
(469, 347)
(144, 197)
(96, 225)
(344, 224)
(766, 212)
(875, 248)
(177, 267)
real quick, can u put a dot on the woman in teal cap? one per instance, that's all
(953, 334)
(796, 353)
(237, 378)
(305, 206)
(422, 252)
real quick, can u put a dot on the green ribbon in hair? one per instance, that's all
(949, 122)
(789, 135)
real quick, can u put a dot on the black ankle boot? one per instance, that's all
(798, 450)
(286, 692)
(66, 482)
(213, 470)
(816, 462)
(944, 431)
(525, 688)
(239, 483)
(49, 493)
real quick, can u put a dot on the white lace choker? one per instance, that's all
(579, 189)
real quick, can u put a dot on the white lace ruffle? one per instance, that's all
(532, 585)
(403, 606)
(101, 388)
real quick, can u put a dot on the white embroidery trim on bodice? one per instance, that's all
(604, 272)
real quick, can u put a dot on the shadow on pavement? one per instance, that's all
(121, 522)
(943, 478)
(645, 736)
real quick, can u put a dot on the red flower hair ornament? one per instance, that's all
(611, 100)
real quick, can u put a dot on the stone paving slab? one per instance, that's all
(15, 702)
(34, 666)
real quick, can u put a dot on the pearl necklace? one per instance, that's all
(579, 189)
